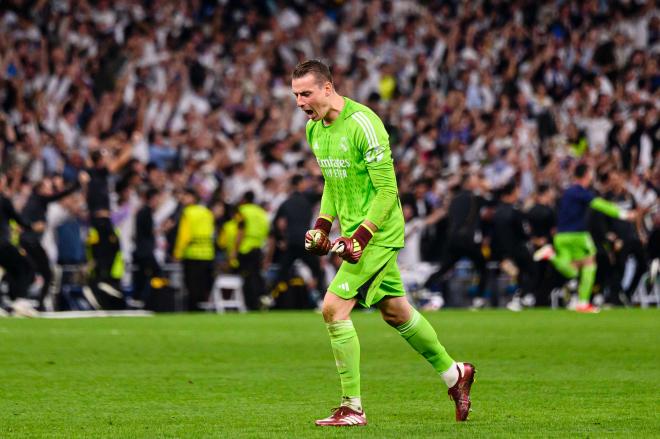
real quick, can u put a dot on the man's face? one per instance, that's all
(157, 177)
(303, 185)
(548, 197)
(155, 201)
(617, 182)
(472, 182)
(46, 187)
(312, 96)
(420, 191)
(588, 178)
(187, 199)
(102, 160)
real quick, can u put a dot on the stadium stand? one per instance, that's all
(196, 96)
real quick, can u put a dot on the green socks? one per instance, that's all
(587, 279)
(346, 348)
(419, 333)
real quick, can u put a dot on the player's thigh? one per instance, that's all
(391, 284)
(565, 249)
(336, 308)
(583, 248)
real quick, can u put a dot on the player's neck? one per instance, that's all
(336, 105)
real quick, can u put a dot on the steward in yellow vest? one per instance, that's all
(253, 229)
(195, 248)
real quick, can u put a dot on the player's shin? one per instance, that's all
(419, 333)
(587, 279)
(346, 349)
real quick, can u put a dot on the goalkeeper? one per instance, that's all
(352, 149)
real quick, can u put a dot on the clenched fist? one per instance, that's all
(349, 249)
(317, 242)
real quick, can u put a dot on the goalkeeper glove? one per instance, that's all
(317, 241)
(350, 249)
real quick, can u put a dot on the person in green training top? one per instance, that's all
(574, 251)
(352, 149)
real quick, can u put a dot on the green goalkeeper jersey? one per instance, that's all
(356, 161)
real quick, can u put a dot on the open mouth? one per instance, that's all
(309, 113)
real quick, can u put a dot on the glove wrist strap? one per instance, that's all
(363, 235)
(323, 224)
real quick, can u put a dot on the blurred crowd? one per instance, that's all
(193, 99)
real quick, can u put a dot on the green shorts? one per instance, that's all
(373, 278)
(574, 246)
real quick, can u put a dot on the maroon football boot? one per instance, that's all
(460, 392)
(343, 417)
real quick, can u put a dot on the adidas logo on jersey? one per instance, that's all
(345, 286)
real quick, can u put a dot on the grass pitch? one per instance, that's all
(539, 373)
